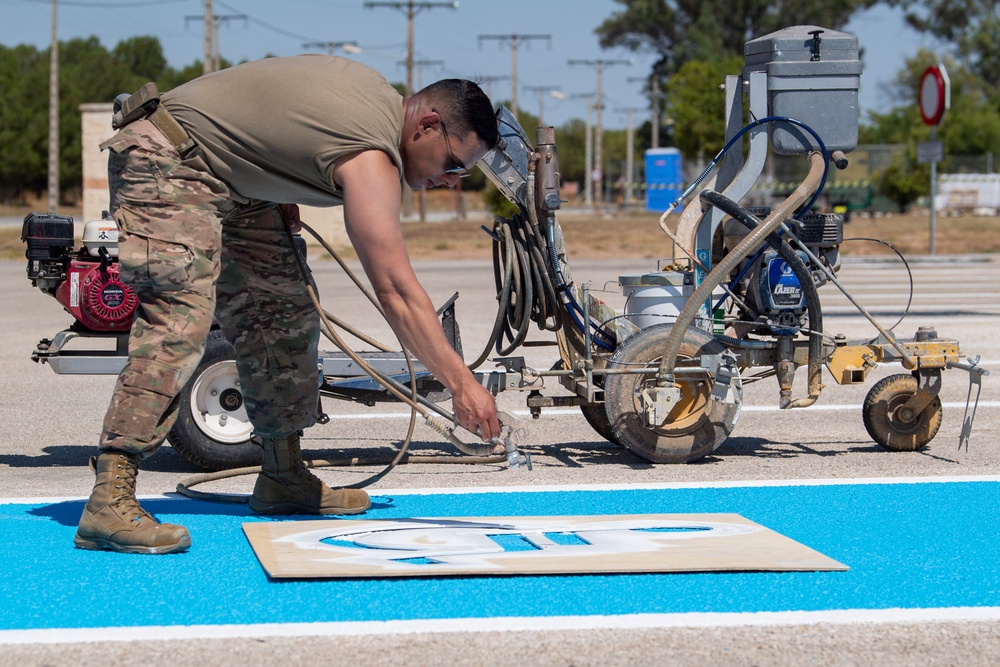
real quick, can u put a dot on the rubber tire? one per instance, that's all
(597, 417)
(595, 414)
(708, 422)
(880, 403)
(190, 439)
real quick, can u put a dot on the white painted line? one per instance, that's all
(660, 486)
(854, 406)
(561, 488)
(561, 412)
(456, 626)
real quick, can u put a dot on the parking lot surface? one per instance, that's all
(923, 516)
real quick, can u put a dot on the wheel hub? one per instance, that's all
(231, 400)
(902, 417)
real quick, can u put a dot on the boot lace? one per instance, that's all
(126, 470)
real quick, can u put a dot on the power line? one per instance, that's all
(541, 90)
(212, 22)
(411, 9)
(112, 5)
(329, 46)
(514, 39)
(599, 64)
(268, 26)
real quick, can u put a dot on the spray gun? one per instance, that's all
(512, 430)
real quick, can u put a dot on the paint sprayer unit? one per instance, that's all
(739, 303)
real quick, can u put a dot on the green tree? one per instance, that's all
(172, 78)
(972, 27)
(970, 127)
(142, 57)
(680, 31)
(905, 180)
(696, 103)
(571, 137)
(24, 75)
(87, 73)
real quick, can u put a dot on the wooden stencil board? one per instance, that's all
(341, 548)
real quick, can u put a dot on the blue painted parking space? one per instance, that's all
(912, 545)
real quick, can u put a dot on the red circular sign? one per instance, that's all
(932, 95)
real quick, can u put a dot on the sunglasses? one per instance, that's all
(458, 169)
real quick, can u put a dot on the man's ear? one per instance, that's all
(429, 120)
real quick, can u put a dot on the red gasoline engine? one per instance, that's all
(84, 281)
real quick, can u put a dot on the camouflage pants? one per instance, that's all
(190, 251)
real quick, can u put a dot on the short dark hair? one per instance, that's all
(464, 107)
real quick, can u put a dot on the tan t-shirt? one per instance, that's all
(273, 129)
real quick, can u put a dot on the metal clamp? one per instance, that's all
(976, 374)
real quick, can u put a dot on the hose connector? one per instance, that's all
(512, 431)
(448, 432)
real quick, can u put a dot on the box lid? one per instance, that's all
(797, 44)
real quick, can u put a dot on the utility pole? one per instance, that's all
(54, 112)
(541, 90)
(598, 172)
(420, 64)
(514, 40)
(209, 56)
(629, 157)
(588, 161)
(212, 21)
(411, 9)
(655, 96)
(329, 46)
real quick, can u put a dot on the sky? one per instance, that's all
(283, 27)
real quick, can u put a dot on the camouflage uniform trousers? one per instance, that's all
(189, 250)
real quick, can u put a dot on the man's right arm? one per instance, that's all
(371, 186)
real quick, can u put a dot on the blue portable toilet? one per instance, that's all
(664, 181)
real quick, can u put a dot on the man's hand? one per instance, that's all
(476, 411)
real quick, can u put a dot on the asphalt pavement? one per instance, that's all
(49, 425)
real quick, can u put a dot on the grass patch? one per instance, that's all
(11, 246)
(638, 236)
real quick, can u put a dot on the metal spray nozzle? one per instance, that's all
(512, 431)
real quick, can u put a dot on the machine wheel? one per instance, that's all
(595, 414)
(597, 417)
(695, 427)
(212, 429)
(885, 422)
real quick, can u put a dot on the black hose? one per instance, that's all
(731, 208)
(525, 289)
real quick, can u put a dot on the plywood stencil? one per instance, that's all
(342, 548)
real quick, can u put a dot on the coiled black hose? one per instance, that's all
(525, 290)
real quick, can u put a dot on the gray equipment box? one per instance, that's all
(813, 76)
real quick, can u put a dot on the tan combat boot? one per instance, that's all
(113, 520)
(285, 486)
